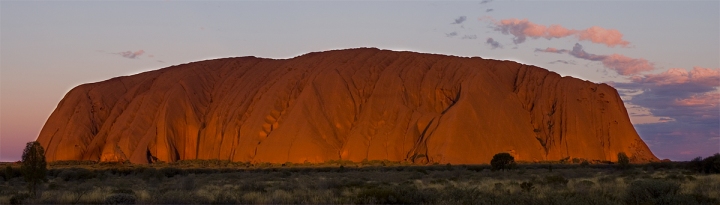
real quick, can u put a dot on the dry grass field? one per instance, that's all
(220, 182)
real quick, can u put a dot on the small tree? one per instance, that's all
(34, 167)
(623, 160)
(502, 161)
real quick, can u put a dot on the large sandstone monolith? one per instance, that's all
(355, 104)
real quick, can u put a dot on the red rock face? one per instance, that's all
(354, 104)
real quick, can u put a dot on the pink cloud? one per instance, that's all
(625, 65)
(706, 76)
(609, 37)
(558, 31)
(522, 28)
(669, 77)
(704, 100)
(702, 76)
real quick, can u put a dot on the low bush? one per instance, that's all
(74, 174)
(10, 173)
(653, 191)
(623, 161)
(556, 181)
(460, 195)
(584, 186)
(121, 198)
(171, 171)
(527, 186)
(19, 198)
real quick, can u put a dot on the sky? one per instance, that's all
(661, 56)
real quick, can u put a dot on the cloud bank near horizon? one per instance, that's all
(688, 104)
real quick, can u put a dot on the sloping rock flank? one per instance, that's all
(355, 104)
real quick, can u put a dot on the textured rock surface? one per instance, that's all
(351, 104)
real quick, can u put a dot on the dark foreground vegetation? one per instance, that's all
(376, 182)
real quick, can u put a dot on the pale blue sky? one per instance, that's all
(46, 48)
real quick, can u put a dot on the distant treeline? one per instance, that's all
(70, 170)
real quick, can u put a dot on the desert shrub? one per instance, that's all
(225, 198)
(502, 161)
(72, 163)
(120, 171)
(418, 169)
(75, 174)
(174, 196)
(121, 198)
(499, 187)
(171, 171)
(711, 164)
(527, 186)
(380, 195)
(84, 174)
(662, 165)
(653, 191)
(123, 191)
(188, 184)
(522, 170)
(556, 181)
(151, 173)
(584, 186)
(580, 198)
(456, 195)
(19, 198)
(584, 164)
(10, 173)
(677, 177)
(67, 175)
(695, 164)
(623, 161)
(400, 194)
(53, 186)
(252, 187)
(475, 168)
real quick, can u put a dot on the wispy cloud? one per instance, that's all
(485, 1)
(563, 62)
(489, 10)
(522, 29)
(624, 65)
(621, 64)
(451, 34)
(551, 50)
(493, 44)
(578, 52)
(131, 54)
(460, 20)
